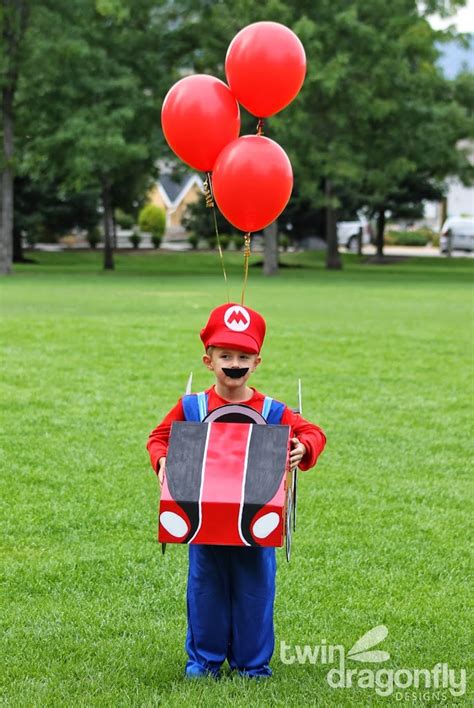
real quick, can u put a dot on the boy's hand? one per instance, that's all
(161, 470)
(297, 453)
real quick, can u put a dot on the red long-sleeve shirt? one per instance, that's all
(309, 434)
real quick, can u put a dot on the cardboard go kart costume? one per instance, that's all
(229, 494)
(228, 481)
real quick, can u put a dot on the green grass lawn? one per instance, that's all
(92, 613)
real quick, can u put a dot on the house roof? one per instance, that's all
(173, 191)
(172, 187)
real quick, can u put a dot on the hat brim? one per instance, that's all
(234, 340)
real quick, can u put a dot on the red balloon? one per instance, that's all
(265, 67)
(252, 182)
(199, 117)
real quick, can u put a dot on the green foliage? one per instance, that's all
(435, 239)
(135, 239)
(409, 238)
(93, 237)
(124, 220)
(386, 122)
(115, 9)
(92, 76)
(44, 209)
(156, 240)
(199, 219)
(193, 239)
(152, 219)
(32, 239)
(90, 90)
(426, 232)
(88, 116)
(238, 241)
(211, 241)
(284, 241)
(225, 241)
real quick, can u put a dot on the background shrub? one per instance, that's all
(156, 240)
(93, 237)
(283, 241)
(152, 220)
(125, 221)
(408, 238)
(193, 240)
(135, 239)
(225, 240)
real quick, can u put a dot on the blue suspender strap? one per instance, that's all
(202, 403)
(190, 408)
(194, 407)
(272, 411)
(266, 406)
(276, 412)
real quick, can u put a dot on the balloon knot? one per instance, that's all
(260, 126)
(208, 192)
(247, 245)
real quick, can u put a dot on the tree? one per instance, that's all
(80, 119)
(13, 23)
(383, 114)
(375, 115)
(91, 77)
(91, 118)
(406, 201)
(414, 126)
(44, 212)
(199, 220)
(317, 128)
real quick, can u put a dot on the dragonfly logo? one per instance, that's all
(384, 681)
(370, 639)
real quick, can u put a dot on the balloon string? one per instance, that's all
(207, 186)
(246, 265)
(260, 126)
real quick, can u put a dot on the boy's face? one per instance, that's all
(231, 367)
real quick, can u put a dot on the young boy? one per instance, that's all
(231, 589)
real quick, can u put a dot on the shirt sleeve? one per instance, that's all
(157, 444)
(312, 437)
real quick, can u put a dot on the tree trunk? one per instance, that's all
(14, 21)
(360, 236)
(270, 249)
(333, 257)
(444, 212)
(6, 241)
(108, 225)
(380, 232)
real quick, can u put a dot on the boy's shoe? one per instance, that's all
(197, 672)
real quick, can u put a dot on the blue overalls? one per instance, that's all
(231, 591)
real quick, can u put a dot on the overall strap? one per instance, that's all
(194, 407)
(266, 406)
(272, 411)
(202, 403)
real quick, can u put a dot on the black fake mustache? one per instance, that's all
(235, 373)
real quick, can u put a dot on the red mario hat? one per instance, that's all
(236, 327)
